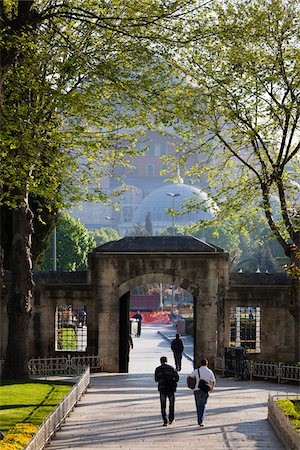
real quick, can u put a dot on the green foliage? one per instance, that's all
(73, 243)
(73, 87)
(32, 400)
(239, 111)
(103, 235)
(291, 408)
(79, 83)
(248, 250)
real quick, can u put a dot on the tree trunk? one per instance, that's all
(19, 305)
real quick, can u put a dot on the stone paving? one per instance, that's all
(122, 411)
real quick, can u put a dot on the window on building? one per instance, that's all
(150, 170)
(245, 327)
(70, 329)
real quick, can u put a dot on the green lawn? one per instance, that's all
(29, 401)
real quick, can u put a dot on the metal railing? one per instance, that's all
(53, 421)
(276, 371)
(65, 365)
(266, 370)
(68, 366)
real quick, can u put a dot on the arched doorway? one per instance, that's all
(124, 305)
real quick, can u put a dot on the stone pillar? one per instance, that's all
(108, 329)
(208, 315)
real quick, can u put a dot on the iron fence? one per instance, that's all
(276, 371)
(68, 366)
(267, 370)
(54, 420)
(62, 366)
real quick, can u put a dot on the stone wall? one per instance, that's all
(52, 289)
(279, 312)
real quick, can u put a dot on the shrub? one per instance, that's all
(291, 409)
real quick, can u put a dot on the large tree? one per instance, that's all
(75, 77)
(239, 111)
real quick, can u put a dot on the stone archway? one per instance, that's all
(124, 305)
(192, 264)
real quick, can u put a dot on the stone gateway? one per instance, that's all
(102, 299)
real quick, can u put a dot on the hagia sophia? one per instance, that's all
(147, 192)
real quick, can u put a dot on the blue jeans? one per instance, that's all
(163, 405)
(200, 400)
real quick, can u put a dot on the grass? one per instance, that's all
(67, 339)
(29, 401)
(291, 409)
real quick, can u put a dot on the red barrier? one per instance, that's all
(154, 317)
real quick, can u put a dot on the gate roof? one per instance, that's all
(158, 244)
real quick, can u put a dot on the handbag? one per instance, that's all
(203, 385)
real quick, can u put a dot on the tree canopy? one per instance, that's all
(238, 110)
(78, 83)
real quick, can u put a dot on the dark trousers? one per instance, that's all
(200, 400)
(163, 405)
(177, 358)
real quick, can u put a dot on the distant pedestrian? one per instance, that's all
(177, 347)
(139, 319)
(201, 393)
(167, 379)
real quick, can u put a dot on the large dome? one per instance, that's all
(162, 198)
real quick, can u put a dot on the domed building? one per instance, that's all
(173, 196)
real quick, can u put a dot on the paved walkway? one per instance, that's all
(122, 411)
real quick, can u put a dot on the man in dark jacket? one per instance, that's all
(177, 347)
(138, 316)
(167, 378)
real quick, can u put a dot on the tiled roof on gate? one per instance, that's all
(158, 244)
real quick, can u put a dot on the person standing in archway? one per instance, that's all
(139, 319)
(177, 348)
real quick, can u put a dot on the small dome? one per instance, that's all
(159, 200)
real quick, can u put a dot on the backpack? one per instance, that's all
(191, 382)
